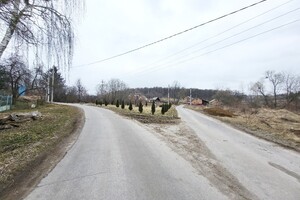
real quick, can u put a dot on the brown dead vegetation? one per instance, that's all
(218, 112)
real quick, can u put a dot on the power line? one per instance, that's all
(174, 35)
(229, 45)
(150, 66)
(217, 42)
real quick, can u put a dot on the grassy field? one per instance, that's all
(279, 126)
(169, 117)
(19, 147)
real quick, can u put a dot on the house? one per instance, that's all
(196, 101)
(136, 98)
(155, 99)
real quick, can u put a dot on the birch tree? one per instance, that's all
(42, 24)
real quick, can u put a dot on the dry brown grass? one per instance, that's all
(218, 112)
(19, 147)
(280, 126)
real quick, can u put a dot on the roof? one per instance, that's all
(155, 99)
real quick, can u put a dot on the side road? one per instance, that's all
(268, 170)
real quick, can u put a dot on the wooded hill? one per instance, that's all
(175, 93)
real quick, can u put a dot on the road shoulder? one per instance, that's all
(26, 181)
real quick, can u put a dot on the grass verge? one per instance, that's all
(21, 147)
(170, 117)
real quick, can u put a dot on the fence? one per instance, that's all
(5, 103)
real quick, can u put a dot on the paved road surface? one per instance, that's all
(267, 170)
(115, 158)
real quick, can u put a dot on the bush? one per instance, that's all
(153, 108)
(140, 107)
(123, 104)
(117, 104)
(99, 102)
(163, 110)
(130, 106)
(106, 103)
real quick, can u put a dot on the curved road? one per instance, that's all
(115, 158)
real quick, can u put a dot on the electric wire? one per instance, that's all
(229, 45)
(217, 42)
(150, 66)
(174, 35)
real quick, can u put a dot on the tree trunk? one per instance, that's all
(11, 28)
(275, 98)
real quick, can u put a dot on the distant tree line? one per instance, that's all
(276, 89)
(273, 90)
(112, 91)
(176, 94)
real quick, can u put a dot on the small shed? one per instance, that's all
(196, 101)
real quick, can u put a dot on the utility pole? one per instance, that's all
(190, 96)
(102, 89)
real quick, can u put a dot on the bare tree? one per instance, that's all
(44, 24)
(101, 89)
(175, 89)
(71, 94)
(229, 97)
(276, 80)
(116, 89)
(81, 91)
(259, 88)
(292, 87)
(18, 74)
(4, 79)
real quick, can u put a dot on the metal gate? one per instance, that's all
(5, 103)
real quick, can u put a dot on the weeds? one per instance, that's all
(20, 146)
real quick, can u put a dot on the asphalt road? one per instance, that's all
(267, 170)
(116, 158)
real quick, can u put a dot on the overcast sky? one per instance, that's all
(229, 53)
